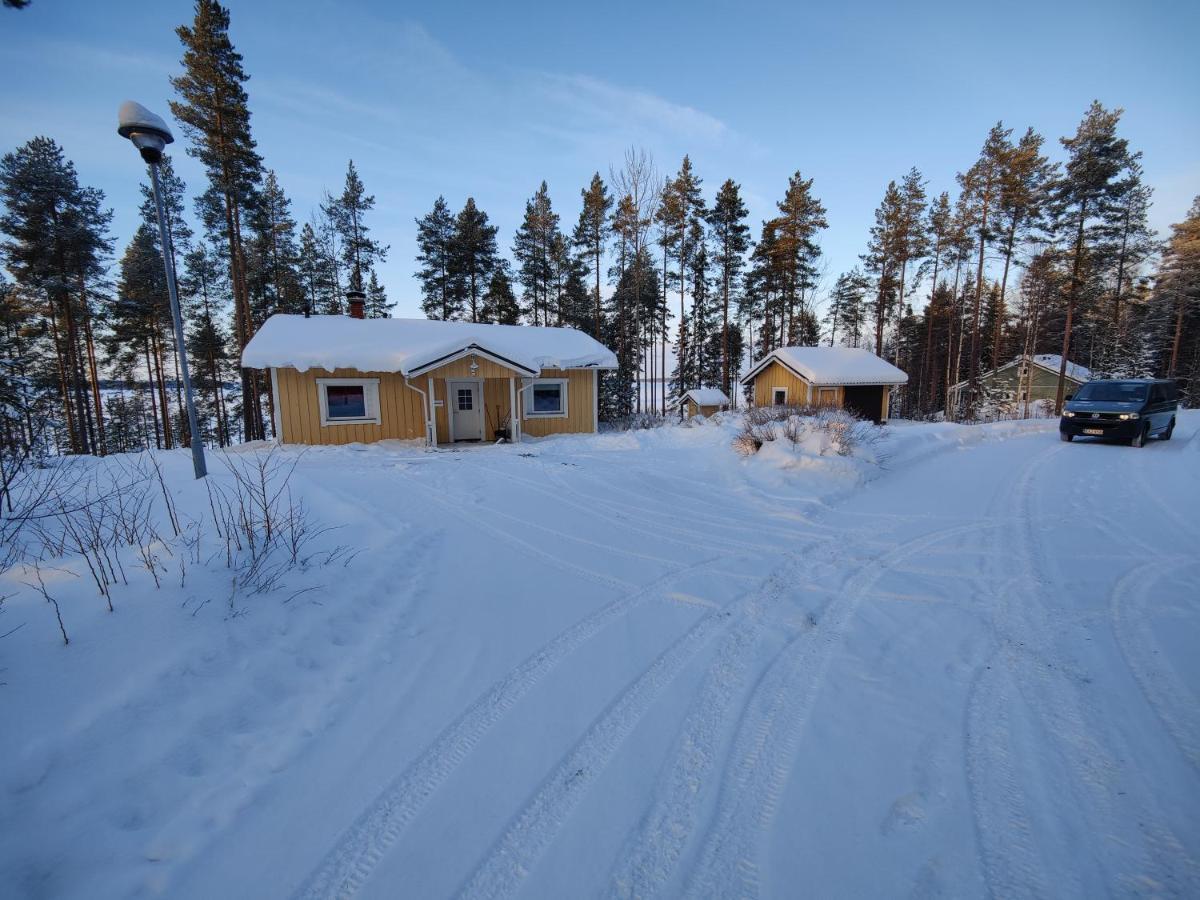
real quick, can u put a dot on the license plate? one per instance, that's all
(1093, 431)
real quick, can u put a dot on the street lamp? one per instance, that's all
(150, 135)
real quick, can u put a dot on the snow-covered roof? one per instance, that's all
(832, 365)
(411, 346)
(706, 397)
(1053, 361)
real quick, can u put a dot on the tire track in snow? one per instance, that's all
(1011, 863)
(649, 855)
(687, 537)
(771, 728)
(511, 859)
(350, 862)
(1172, 701)
(509, 538)
(713, 514)
(1056, 701)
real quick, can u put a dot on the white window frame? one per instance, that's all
(370, 388)
(832, 391)
(775, 392)
(543, 382)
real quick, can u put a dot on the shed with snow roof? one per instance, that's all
(344, 379)
(843, 377)
(701, 402)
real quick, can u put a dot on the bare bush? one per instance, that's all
(831, 430)
(639, 422)
(265, 529)
(108, 514)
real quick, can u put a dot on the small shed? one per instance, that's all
(702, 402)
(849, 378)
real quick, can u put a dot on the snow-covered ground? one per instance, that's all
(639, 665)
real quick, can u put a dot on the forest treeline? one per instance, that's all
(1030, 255)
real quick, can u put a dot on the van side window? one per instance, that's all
(1158, 393)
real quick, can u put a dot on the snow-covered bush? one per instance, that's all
(817, 430)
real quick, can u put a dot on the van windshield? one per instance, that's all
(1112, 392)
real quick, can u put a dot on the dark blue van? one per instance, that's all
(1130, 410)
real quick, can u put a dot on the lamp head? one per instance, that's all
(148, 132)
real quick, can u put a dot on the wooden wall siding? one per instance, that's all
(776, 376)
(1043, 385)
(581, 403)
(695, 410)
(401, 413)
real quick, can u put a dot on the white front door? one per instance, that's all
(466, 410)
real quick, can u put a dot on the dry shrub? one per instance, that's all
(841, 431)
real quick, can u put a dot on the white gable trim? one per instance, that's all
(471, 350)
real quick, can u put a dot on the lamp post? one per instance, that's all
(150, 135)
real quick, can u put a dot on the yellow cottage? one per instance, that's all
(344, 379)
(843, 377)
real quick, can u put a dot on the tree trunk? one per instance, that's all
(1076, 265)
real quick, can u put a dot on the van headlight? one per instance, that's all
(1129, 415)
(1067, 414)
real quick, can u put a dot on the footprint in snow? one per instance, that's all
(906, 812)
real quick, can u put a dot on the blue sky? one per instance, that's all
(488, 99)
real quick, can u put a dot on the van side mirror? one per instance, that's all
(1068, 397)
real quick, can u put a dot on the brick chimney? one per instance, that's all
(357, 300)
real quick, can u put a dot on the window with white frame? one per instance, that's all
(546, 399)
(827, 397)
(779, 396)
(348, 401)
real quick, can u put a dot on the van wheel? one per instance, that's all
(1166, 435)
(1139, 439)
(1063, 436)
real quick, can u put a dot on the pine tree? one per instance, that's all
(214, 112)
(1085, 199)
(347, 212)
(590, 235)
(377, 305)
(847, 313)
(435, 245)
(533, 249)
(277, 251)
(139, 326)
(318, 276)
(204, 283)
(1020, 203)
(57, 239)
(500, 303)
(472, 258)
(1178, 289)
(938, 230)
(731, 240)
(801, 217)
(981, 187)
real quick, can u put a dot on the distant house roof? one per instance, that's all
(412, 346)
(1051, 362)
(831, 365)
(704, 397)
